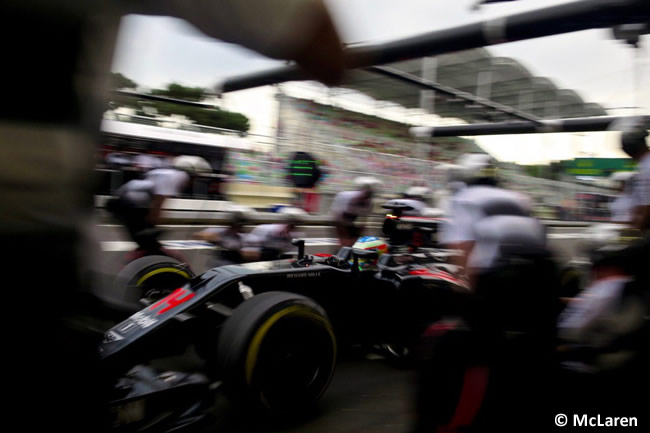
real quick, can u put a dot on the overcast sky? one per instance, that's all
(155, 51)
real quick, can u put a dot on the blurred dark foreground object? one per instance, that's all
(170, 401)
(497, 367)
(58, 68)
(489, 370)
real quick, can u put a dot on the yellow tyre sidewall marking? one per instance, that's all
(256, 342)
(160, 271)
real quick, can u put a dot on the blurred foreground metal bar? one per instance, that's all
(579, 124)
(163, 99)
(565, 18)
(398, 75)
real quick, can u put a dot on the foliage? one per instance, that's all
(202, 116)
(119, 81)
(215, 117)
(179, 91)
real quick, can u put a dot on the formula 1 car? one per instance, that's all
(152, 277)
(270, 331)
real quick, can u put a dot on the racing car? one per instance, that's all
(269, 332)
(151, 277)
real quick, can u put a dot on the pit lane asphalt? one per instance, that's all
(365, 396)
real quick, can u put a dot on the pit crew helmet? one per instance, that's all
(634, 131)
(417, 192)
(292, 215)
(369, 243)
(192, 165)
(622, 178)
(237, 218)
(368, 183)
(477, 167)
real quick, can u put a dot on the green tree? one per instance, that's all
(119, 81)
(178, 91)
(203, 116)
(540, 170)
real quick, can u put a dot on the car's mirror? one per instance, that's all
(344, 253)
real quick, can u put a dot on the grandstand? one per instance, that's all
(348, 144)
(351, 144)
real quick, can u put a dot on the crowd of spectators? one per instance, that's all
(347, 145)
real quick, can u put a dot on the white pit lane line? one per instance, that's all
(119, 246)
(567, 236)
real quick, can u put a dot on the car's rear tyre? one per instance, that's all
(277, 352)
(148, 278)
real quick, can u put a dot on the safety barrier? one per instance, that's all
(214, 212)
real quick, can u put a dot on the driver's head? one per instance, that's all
(370, 243)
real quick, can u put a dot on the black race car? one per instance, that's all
(154, 276)
(270, 331)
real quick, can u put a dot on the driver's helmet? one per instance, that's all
(370, 243)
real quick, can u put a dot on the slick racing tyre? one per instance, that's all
(277, 352)
(148, 279)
